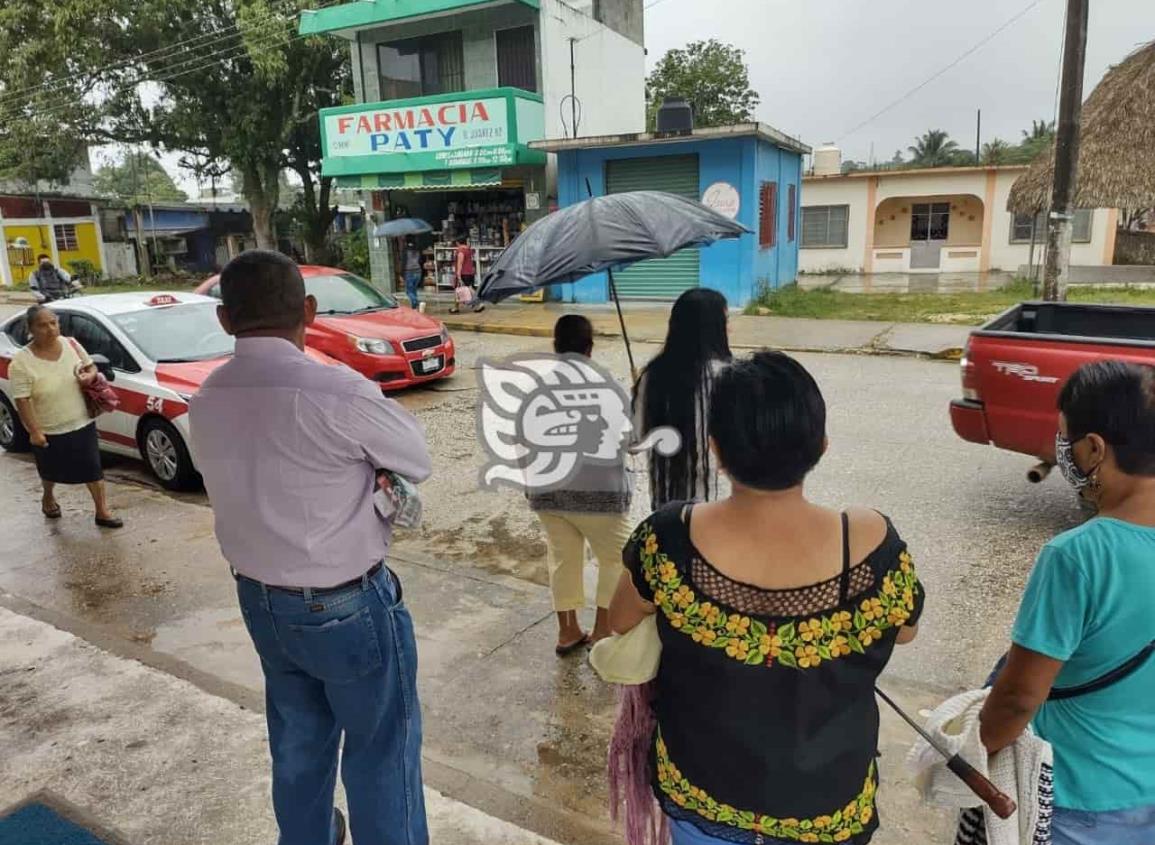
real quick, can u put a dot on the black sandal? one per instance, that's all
(112, 522)
(53, 513)
(566, 650)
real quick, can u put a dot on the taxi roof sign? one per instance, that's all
(163, 299)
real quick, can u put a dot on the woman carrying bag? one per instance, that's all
(1079, 670)
(775, 617)
(51, 381)
(465, 274)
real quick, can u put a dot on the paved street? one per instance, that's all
(510, 729)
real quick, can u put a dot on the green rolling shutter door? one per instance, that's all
(658, 278)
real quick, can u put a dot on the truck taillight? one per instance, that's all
(970, 386)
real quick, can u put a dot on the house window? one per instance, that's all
(1021, 227)
(825, 226)
(792, 204)
(66, 237)
(516, 58)
(434, 64)
(768, 215)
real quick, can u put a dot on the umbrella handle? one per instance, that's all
(1000, 803)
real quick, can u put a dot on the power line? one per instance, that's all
(653, 3)
(987, 39)
(261, 33)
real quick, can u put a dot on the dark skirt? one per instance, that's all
(72, 458)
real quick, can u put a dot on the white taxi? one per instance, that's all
(156, 349)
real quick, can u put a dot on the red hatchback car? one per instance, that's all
(366, 329)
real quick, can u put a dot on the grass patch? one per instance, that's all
(962, 309)
(138, 284)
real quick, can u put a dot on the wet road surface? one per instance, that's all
(508, 726)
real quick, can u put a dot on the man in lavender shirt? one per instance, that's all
(289, 448)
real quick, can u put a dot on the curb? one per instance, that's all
(949, 354)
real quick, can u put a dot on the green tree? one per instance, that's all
(712, 76)
(44, 93)
(997, 152)
(243, 95)
(1039, 138)
(137, 178)
(1040, 130)
(933, 149)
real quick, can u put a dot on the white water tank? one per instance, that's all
(827, 160)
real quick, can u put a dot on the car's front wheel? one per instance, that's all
(167, 455)
(13, 437)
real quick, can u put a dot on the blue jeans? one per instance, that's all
(1121, 827)
(412, 283)
(341, 662)
(686, 833)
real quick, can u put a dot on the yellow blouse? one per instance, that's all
(56, 397)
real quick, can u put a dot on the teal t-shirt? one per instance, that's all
(1090, 602)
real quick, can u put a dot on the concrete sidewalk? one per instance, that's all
(646, 323)
(151, 757)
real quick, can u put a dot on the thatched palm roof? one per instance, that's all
(1117, 145)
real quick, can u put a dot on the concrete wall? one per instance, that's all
(849, 192)
(777, 265)
(737, 267)
(479, 50)
(609, 71)
(878, 196)
(1007, 256)
(609, 68)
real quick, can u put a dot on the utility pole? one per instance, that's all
(1066, 154)
(137, 222)
(978, 137)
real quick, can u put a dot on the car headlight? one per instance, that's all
(373, 346)
(444, 335)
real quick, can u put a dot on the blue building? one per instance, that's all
(750, 172)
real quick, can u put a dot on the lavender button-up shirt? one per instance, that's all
(288, 448)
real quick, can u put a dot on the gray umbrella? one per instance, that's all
(603, 233)
(402, 227)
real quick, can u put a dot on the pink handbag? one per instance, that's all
(464, 294)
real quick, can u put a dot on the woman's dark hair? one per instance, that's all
(1115, 400)
(768, 421)
(676, 392)
(573, 333)
(32, 313)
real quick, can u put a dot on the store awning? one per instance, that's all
(346, 18)
(428, 180)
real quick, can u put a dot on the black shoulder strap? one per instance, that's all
(1102, 682)
(844, 583)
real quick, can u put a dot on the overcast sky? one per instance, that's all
(822, 68)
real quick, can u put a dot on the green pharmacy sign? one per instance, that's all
(479, 129)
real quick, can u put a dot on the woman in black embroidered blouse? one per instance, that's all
(776, 617)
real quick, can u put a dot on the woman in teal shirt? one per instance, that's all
(1087, 612)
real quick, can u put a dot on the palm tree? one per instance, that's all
(933, 149)
(1040, 129)
(997, 151)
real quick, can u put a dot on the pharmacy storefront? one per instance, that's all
(460, 162)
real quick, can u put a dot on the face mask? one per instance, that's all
(1065, 458)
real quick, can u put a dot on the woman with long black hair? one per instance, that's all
(674, 390)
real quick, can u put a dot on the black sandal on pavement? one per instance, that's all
(51, 513)
(566, 650)
(110, 522)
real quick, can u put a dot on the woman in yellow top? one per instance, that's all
(46, 378)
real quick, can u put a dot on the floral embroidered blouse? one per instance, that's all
(767, 720)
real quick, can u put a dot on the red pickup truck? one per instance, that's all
(1014, 367)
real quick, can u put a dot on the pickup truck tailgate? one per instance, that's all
(1016, 377)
